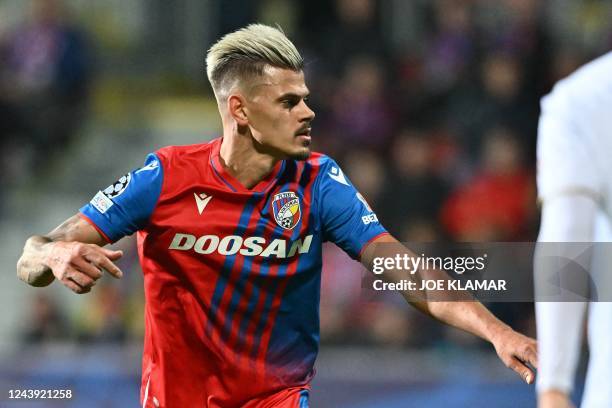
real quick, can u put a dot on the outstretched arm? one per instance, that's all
(565, 218)
(514, 349)
(72, 253)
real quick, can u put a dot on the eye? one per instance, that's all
(290, 102)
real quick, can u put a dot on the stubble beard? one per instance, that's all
(302, 155)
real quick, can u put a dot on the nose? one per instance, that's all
(307, 114)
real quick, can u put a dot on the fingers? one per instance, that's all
(73, 278)
(81, 289)
(530, 354)
(112, 254)
(81, 279)
(78, 266)
(517, 352)
(99, 258)
(528, 351)
(108, 265)
(72, 286)
(87, 268)
(521, 369)
(78, 283)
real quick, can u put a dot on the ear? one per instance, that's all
(237, 109)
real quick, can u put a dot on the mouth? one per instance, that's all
(304, 132)
(304, 137)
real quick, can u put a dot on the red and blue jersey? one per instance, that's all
(232, 275)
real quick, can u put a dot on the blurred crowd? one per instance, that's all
(430, 107)
(45, 73)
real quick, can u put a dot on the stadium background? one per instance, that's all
(430, 107)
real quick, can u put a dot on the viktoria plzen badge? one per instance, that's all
(286, 209)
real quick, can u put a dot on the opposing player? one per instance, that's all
(229, 237)
(575, 187)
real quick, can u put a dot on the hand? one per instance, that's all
(78, 266)
(554, 399)
(515, 350)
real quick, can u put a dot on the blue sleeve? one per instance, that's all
(125, 206)
(346, 218)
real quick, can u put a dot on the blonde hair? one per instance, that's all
(244, 54)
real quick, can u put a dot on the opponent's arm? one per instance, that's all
(72, 253)
(467, 314)
(565, 218)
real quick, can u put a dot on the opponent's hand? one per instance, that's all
(515, 350)
(78, 266)
(554, 399)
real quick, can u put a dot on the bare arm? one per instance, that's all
(72, 253)
(467, 314)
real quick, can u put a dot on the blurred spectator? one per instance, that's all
(498, 100)
(233, 14)
(517, 27)
(45, 322)
(352, 313)
(564, 62)
(419, 230)
(340, 293)
(497, 203)
(356, 31)
(360, 112)
(367, 172)
(412, 190)
(387, 323)
(451, 46)
(14, 157)
(103, 319)
(131, 289)
(44, 80)
(583, 25)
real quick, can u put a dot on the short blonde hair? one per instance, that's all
(244, 54)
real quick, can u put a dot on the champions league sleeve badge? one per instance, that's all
(286, 209)
(118, 186)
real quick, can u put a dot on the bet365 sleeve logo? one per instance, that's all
(368, 218)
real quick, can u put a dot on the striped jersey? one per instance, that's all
(231, 275)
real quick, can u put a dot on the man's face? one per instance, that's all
(278, 116)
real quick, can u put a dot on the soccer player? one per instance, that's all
(229, 237)
(575, 187)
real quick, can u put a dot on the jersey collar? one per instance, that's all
(231, 182)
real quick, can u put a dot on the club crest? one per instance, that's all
(286, 209)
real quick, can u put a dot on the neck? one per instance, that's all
(243, 161)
